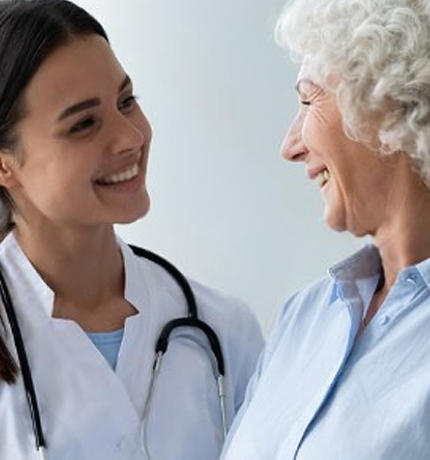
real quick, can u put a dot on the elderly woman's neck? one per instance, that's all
(404, 238)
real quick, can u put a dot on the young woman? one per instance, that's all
(74, 147)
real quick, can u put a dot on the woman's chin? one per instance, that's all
(138, 211)
(334, 221)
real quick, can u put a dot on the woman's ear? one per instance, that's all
(8, 169)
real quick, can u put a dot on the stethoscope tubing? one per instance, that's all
(24, 365)
(193, 322)
(174, 272)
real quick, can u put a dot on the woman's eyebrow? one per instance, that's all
(89, 103)
(306, 81)
(125, 83)
(79, 107)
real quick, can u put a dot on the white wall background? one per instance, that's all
(226, 209)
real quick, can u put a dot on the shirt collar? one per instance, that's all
(360, 268)
(365, 263)
(136, 291)
(423, 268)
(24, 283)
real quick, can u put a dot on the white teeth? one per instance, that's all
(121, 177)
(323, 177)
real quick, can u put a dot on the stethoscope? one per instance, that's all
(191, 320)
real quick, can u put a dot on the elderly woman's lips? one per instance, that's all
(322, 178)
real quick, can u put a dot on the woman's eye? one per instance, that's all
(82, 125)
(305, 102)
(128, 103)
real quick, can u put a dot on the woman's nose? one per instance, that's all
(127, 135)
(293, 148)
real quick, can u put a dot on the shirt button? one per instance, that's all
(412, 279)
(383, 320)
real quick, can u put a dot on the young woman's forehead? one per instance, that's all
(82, 68)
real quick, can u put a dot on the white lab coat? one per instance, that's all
(90, 412)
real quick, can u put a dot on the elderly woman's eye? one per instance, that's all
(305, 102)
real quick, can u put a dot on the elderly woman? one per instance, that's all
(346, 374)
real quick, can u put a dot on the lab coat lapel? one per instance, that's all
(136, 355)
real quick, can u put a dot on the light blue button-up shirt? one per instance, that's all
(321, 393)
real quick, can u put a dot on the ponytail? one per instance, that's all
(8, 366)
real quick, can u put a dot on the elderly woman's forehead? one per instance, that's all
(308, 73)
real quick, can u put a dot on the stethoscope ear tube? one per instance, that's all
(174, 272)
(192, 320)
(25, 368)
(163, 340)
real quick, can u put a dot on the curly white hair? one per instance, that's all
(379, 50)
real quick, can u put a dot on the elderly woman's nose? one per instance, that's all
(293, 148)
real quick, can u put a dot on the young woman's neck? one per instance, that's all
(82, 266)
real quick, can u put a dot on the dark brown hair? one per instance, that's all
(30, 30)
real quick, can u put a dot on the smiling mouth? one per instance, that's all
(322, 178)
(123, 176)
